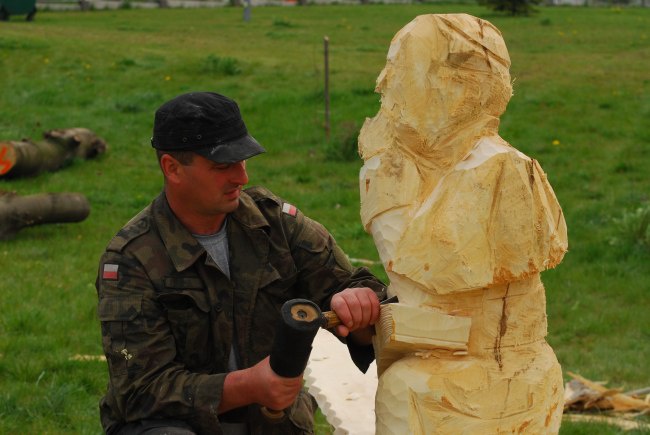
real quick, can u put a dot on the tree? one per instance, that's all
(511, 7)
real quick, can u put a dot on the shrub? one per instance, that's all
(228, 66)
(511, 7)
(633, 228)
(343, 147)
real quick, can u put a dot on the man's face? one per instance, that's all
(210, 188)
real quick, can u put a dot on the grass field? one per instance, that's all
(581, 107)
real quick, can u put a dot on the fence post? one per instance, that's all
(326, 43)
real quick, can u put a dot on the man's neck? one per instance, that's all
(195, 223)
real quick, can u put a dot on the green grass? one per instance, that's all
(581, 107)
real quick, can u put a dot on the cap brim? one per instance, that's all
(233, 151)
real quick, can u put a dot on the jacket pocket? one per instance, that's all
(279, 276)
(298, 418)
(188, 314)
(301, 413)
(114, 312)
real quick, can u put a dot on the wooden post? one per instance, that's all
(326, 43)
(247, 10)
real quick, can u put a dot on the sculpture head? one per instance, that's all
(459, 65)
(444, 71)
(444, 74)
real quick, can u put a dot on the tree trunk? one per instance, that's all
(18, 212)
(26, 158)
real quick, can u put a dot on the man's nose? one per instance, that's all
(239, 174)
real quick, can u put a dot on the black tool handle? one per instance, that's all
(301, 319)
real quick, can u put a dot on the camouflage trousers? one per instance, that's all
(157, 427)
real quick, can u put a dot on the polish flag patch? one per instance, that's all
(110, 272)
(289, 209)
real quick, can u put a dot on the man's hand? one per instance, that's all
(358, 309)
(259, 384)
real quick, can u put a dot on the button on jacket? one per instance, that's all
(170, 317)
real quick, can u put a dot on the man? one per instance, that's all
(190, 290)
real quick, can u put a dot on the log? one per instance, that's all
(464, 224)
(18, 212)
(59, 148)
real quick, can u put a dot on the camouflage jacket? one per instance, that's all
(168, 314)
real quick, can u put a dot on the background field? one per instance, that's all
(581, 107)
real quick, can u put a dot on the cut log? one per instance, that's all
(18, 212)
(59, 148)
(464, 224)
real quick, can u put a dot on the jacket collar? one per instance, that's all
(183, 249)
(248, 214)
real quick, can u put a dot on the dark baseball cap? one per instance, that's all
(206, 123)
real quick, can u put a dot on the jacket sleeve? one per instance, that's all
(324, 270)
(145, 380)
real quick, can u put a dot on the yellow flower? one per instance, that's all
(168, 78)
(46, 60)
(555, 142)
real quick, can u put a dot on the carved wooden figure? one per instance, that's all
(464, 224)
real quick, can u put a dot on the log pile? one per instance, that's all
(26, 158)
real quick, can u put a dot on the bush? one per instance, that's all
(511, 7)
(343, 147)
(633, 228)
(228, 66)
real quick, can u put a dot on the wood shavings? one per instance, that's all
(583, 395)
(79, 357)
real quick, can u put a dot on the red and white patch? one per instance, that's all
(110, 272)
(289, 209)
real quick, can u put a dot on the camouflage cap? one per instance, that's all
(206, 123)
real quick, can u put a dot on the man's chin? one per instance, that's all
(232, 205)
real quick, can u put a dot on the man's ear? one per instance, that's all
(170, 168)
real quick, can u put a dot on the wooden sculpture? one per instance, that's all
(464, 224)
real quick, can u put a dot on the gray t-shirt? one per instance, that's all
(216, 245)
